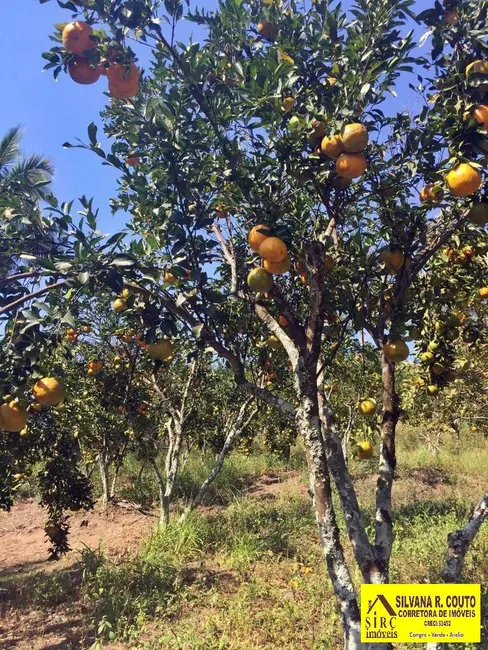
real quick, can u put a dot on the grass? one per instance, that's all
(238, 472)
(249, 572)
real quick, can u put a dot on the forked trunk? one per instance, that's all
(308, 424)
(234, 434)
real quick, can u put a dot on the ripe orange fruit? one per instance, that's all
(430, 193)
(479, 214)
(132, 160)
(123, 81)
(478, 68)
(13, 417)
(396, 351)
(170, 278)
(95, 367)
(480, 114)
(267, 30)
(76, 37)
(257, 235)
(288, 104)
(351, 165)
(71, 331)
(49, 391)
(365, 450)
(273, 249)
(464, 180)
(260, 280)
(277, 268)
(283, 321)
(120, 305)
(162, 350)
(332, 147)
(483, 293)
(82, 72)
(354, 137)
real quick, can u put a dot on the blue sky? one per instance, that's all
(55, 112)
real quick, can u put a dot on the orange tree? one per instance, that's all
(277, 127)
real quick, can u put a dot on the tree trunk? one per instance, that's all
(114, 480)
(459, 543)
(309, 426)
(387, 465)
(167, 484)
(232, 437)
(103, 466)
(367, 558)
(308, 423)
(117, 465)
(163, 500)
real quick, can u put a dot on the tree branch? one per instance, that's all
(229, 257)
(460, 541)
(27, 274)
(371, 568)
(387, 464)
(30, 296)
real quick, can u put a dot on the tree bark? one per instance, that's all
(308, 425)
(458, 545)
(103, 466)
(387, 465)
(365, 554)
(172, 466)
(460, 541)
(163, 501)
(232, 437)
(114, 480)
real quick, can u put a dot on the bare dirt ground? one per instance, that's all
(24, 564)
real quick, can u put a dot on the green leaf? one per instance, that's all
(69, 319)
(92, 134)
(214, 296)
(31, 316)
(123, 260)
